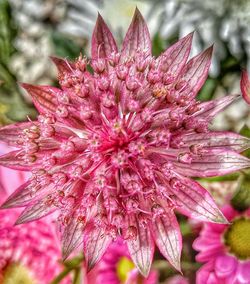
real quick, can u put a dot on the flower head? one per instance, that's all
(225, 250)
(114, 149)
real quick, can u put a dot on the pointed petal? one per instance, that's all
(44, 97)
(214, 139)
(137, 37)
(195, 202)
(208, 110)
(10, 133)
(141, 249)
(96, 241)
(14, 160)
(72, 237)
(35, 211)
(24, 195)
(176, 56)
(245, 86)
(196, 71)
(63, 65)
(103, 43)
(214, 162)
(19, 198)
(167, 235)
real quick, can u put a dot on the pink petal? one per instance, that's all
(213, 162)
(243, 272)
(10, 133)
(214, 139)
(96, 240)
(35, 211)
(245, 86)
(225, 265)
(195, 202)
(196, 70)
(141, 249)
(204, 272)
(168, 238)
(14, 160)
(72, 236)
(208, 110)
(137, 37)
(63, 65)
(44, 97)
(21, 197)
(175, 57)
(103, 43)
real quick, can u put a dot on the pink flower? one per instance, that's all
(29, 253)
(177, 279)
(114, 148)
(225, 250)
(116, 267)
(245, 86)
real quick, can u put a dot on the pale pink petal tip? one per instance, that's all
(245, 86)
(103, 42)
(137, 36)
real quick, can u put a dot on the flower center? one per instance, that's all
(237, 238)
(17, 273)
(124, 266)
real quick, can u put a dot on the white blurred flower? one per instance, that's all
(34, 19)
(81, 16)
(215, 21)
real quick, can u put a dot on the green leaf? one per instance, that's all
(65, 47)
(158, 45)
(245, 131)
(241, 199)
(208, 90)
(7, 32)
(229, 177)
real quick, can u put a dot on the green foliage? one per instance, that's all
(245, 131)
(65, 47)
(241, 199)
(12, 104)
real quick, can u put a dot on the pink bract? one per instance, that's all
(115, 147)
(221, 266)
(107, 269)
(245, 86)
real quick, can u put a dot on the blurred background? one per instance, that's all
(33, 30)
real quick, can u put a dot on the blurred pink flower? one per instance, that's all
(225, 250)
(245, 86)
(114, 150)
(29, 253)
(177, 279)
(116, 267)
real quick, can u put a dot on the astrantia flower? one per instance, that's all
(116, 267)
(114, 149)
(225, 250)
